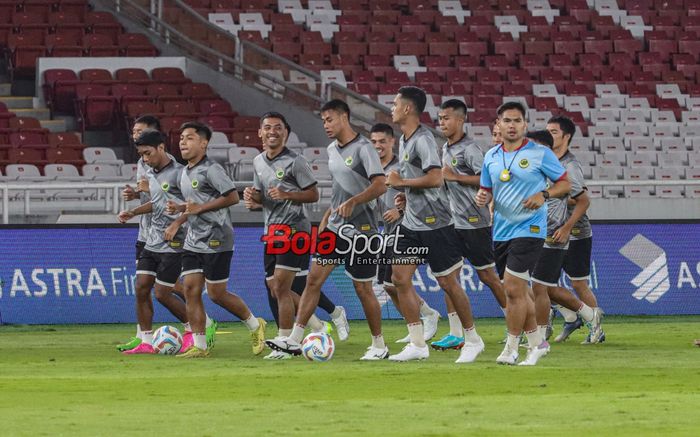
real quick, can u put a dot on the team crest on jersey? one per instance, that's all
(348, 161)
(165, 186)
(454, 162)
(524, 163)
(195, 184)
(279, 173)
(405, 156)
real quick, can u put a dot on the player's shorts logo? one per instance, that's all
(279, 173)
(195, 184)
(165, 186)
(473, 219)
(348, 161)
(454, 162)
(524, 163)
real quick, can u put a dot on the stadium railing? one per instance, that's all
(110, 192)
(249, 62)
(107, 192)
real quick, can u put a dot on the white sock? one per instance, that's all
(209, 321)
(315, 323)
(471, 336)
(378, 341)
(138, 331)
(512, 342)
(415, 331)
(569, 316)
(425, 309)
(585, 312)
(534, 338)
(455, 324)
(187, 327)
(252, 323)
(503, 310)
(336, 312)
(297, 333)
(284, 332)
(543, 330)
(200, 340)
(147, 337)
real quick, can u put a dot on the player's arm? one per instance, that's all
(376, 188)
(431, 179)
(307, 195)
(127, 215)
(560, 189)
(450, 175)
(172, 229)
(226, 200)
(324, 220)
(561, 235)
(252, 194)
(484, 195)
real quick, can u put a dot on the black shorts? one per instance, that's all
(363, 267)
(548, 268)
(216, 267)
(477, 247)
(166, 266)
(139, 248)
(577, 261)
(384, 270)
(286, 261)
(518, 256)
(443, 256)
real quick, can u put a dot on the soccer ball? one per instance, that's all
(318, 346)
(167, 340)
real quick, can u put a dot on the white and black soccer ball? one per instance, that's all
(318, 346)
(167, 340)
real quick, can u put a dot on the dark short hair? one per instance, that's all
(415, 95)
(150, 137)
(202, 129)
(382, 128)
(566, 125)
(507, 106)
(150, 121)
(273, 114)
(541, 137)
(336, 105)
(454, 104)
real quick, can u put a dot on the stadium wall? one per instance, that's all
(69, 274)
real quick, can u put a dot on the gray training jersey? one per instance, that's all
(211, 231)
(465, 158)
(426, 208)
(289, 172)
(582, 228)
(557, 215)
(386, 201)
(352, 168)
(164, 186)
(145, 219)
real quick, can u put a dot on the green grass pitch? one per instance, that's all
(70, 380)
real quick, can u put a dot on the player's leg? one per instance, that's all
(592, 317)
(455, 338)
(402, 278)
(146, 272)
(373, 314)
(515, 259)
(136, 339)
(308, 302)
(545, 276)
(193, 285)
(281, 284)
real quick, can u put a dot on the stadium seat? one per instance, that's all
(102, 172)
(101, 155)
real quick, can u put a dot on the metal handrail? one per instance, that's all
(153, 19)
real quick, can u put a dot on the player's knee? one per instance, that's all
(449, 283)
(162, 294)
(143, 292)
(400, 280)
